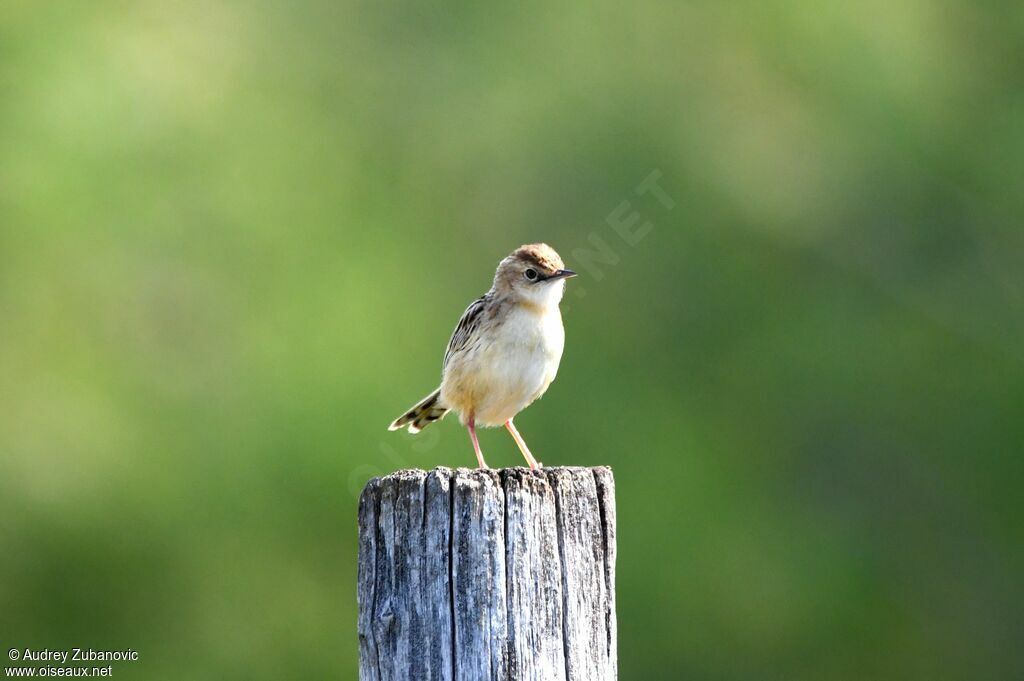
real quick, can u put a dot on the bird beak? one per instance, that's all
(562, 274)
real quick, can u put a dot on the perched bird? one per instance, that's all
(505, 350)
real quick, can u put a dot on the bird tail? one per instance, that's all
(426, 411)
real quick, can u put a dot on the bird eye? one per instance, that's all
(531, 274)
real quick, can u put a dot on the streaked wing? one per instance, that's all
(466, 328)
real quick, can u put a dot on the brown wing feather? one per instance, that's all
(465, 329)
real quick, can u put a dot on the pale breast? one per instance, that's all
(508, 370)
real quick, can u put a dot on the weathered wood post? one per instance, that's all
(482, 575)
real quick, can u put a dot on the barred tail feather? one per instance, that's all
(428, 410)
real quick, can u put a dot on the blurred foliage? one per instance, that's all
(234, 239)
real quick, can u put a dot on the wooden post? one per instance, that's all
(482, 575)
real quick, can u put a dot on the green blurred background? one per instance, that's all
(234, 239)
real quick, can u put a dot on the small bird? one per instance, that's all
(504, 352)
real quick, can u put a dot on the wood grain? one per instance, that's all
(482, 575)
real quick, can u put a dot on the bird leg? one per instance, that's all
(522, 445)
(476, 444)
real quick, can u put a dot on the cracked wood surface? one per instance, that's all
(483, 575)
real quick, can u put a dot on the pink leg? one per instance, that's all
(522, 445)
(476, 444)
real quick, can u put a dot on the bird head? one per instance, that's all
(533, 273)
